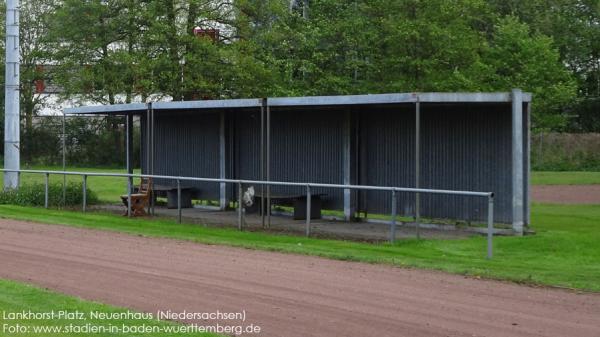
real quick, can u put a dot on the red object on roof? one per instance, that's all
(213, 34)
(40, 85)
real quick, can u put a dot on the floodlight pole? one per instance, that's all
(12, 108)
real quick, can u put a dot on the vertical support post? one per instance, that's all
(222, 163)
(240, 207)
(308, 210)
(418, 167)
(347, 139)
(262, 161)
(84, 193)
(129, 188)
(148, 148)
(64, 157)
(12, 92)
(394, 214)
(268, 166)
(129, 143)
(517, 161)
(46, 183)
(129, 155)
(152, 199)
(490, 226)
(178, 201)
(528, 163)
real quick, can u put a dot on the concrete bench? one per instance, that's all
(298, 202)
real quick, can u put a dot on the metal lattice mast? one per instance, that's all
(11, 112)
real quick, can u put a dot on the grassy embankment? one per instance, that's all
(16, 297)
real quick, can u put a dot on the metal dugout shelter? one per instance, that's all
(454, 141)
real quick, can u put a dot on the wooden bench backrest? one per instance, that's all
(145, 186)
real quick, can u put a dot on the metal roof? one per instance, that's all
(377, 99)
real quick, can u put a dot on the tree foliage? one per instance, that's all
(118, 51)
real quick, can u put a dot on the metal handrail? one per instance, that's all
(308, 186)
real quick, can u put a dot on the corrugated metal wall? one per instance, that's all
(187, 144)
(247, 144)
(464, 147)
(467, 147)
(386, 156)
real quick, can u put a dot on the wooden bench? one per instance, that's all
(140, 199)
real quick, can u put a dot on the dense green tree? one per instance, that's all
(114, 51)
(517, 58)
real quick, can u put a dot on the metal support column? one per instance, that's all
(517, 161)
(394, 214)
(308, 210)
(222, 163)
(490, 226)
(262, 161)
(528, 169)
(418, 167)
(148, 147)
(46, 183)
(84, 193)
(64, 158)
(152, 197)
(11, 91)
(129, 191)
(240, 207)
(129, 161)
(178, 201)
(268, 164)
(347, 163)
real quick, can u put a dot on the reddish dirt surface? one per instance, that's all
(287, 295)
(566, 194)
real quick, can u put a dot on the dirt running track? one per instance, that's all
(566, 194)
(287, 295)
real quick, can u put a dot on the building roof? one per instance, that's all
(323, 101)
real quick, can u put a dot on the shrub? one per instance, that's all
(565, 152)
(34, 195)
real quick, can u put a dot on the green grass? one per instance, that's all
(16, 297)
(564, 252)
(565, 178)
(108, 189)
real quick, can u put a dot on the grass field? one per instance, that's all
(108, 189)
(564, 252)
(16, 297)
(565, 178)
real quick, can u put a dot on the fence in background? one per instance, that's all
(308, 187)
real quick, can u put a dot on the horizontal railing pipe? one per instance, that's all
(259, 182)
(308, 186)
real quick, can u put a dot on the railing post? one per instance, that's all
(46, 183)
(308, 210)
(490, 226)
(84, 192)
(129, 186)
(240, 207)
(394, 213)
(418, 215)
(178, 201)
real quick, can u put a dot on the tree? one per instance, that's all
(517, 58)
(35, 56)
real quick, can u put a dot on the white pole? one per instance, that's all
(11, 112)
